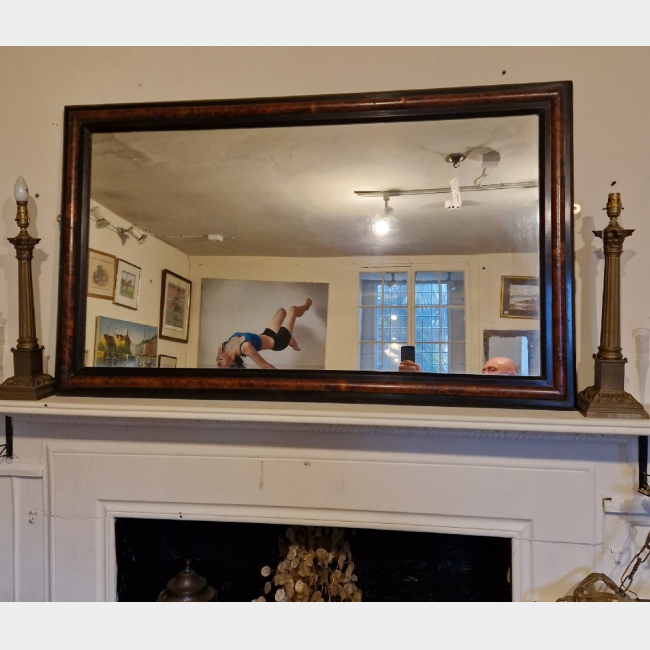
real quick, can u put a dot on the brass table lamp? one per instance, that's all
(607, 397)
(29, 380)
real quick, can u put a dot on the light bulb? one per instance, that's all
(381, 227)
(21, 193)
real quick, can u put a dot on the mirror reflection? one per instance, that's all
(337, 247)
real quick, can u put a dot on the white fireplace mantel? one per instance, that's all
(560, 486)
(424, 418)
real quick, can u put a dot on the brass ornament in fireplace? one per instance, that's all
(188, 587)
(607, 397)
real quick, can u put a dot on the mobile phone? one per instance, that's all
(408, 353)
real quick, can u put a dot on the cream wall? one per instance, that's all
(491, 269)
(152, 256)
(611, 140)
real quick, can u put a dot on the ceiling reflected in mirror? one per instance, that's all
(343, 190)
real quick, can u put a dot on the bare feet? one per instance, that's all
(294, 345)
(303, 308)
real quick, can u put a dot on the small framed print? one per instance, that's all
(101, 275)
(174, 307)
(127, 284)
(519, 297)
(165, 361)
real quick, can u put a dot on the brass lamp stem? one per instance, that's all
(24, 244)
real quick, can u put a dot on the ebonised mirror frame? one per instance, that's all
(554, 389)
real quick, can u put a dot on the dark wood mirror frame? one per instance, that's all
(555, 389)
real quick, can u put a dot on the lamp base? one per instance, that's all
(594, 402)
(31, 388)
(606, 398)
(29, 380)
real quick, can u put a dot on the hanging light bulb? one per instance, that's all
(450, 282)
(381, 225)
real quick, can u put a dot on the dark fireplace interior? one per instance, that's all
(391, 565)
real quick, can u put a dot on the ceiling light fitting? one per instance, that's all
(381, 225)
(123, 233)
(211, 238)
(455, 159)
(365, 194)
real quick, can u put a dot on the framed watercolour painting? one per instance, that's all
(174, 307)
(519, 297)
(165, 361)
(127, 284)
(124, 344)
(101, 275)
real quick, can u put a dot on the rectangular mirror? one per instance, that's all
(309, 240)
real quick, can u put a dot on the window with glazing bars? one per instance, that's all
(423, 308)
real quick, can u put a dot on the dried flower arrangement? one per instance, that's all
(316, 567)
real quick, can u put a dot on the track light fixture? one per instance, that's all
(382, 223)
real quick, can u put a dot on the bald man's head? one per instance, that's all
(499, 366)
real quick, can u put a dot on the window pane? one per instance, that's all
(369, 324)
(456, 295)
(395, 325)
(370, 356)
(457, 324)
(395, 289)
(427, 355)
(457, 358)
(370, 289)
(391, 356)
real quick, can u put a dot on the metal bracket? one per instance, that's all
(7, 450)
(644, 488)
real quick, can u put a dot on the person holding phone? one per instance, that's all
(407, 362)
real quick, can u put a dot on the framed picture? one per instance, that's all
(124, 344)
(127, 284)
(174, 307)
(165, 361)
(519, 297)
(101, 274)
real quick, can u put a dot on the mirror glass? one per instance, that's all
(337, 245)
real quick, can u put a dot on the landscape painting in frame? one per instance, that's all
(125, 344)
(519, 297)
(229, 306)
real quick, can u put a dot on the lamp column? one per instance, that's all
(29, 380)
(607, 397)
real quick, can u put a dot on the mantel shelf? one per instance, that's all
(434, 417)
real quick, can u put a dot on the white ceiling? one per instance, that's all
(289, 191)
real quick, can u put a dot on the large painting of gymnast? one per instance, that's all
(262, 325)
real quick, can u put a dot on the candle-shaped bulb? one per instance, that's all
(21, 193)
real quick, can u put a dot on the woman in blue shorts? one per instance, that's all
(277, 336)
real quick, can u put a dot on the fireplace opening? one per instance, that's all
(391, 565)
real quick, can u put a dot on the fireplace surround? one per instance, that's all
(562, 489)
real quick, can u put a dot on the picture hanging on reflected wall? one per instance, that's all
(127, 284)
(174, 307)
(263, 311)
(519, 297)
(165, 361)
(124, 344)
(101, 275)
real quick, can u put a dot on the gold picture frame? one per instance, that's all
(101, 274)
(519, 296)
